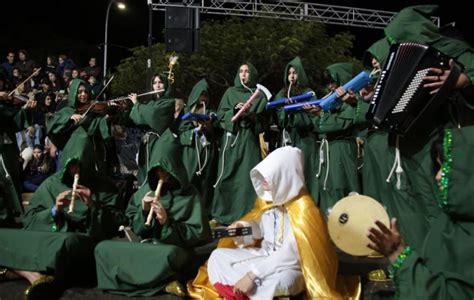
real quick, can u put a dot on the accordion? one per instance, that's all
(400, 100)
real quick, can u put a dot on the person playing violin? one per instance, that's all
(12, 119)
(76, 114)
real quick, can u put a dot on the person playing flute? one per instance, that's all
(179, 224)
(55, 246)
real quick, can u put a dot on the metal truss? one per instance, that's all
(289, 10)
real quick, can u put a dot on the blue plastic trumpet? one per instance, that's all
(284, 101)
(332, 101)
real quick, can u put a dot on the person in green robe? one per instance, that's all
(337, 170)
(75, 115)
(239, 148)
(297, 129)
(178, 225)
(199, 141)
(378, 156)
(56, 241)
(442, 267)
(153, 117)
(12, 119)
(410, 188)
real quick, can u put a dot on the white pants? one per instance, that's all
(227, 266)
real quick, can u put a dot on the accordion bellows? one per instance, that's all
(400, 100)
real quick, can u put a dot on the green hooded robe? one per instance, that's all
(65, 242)
(339, 177)
(239, 150)
(442, 267)
(154, 117)
(199, 148)
(11, 121)
(143, 269)
(411, 194)
(60, 128)
(297, 129)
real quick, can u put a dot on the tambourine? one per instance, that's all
(350, 220)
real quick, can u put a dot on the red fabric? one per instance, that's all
(227, 291)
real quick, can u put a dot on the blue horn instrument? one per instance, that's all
(332, 101)
(284, 101)
(199, 117)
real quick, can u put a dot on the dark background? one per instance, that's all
(77, 28)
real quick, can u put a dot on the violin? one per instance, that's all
(103, 107)
(110, 106)
(14, 100)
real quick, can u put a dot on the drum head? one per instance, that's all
(350, 220)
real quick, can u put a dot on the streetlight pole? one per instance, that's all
(120, 5)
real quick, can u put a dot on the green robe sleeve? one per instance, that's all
(158, 115)
(226, 111)
(415, 281)
(186, 226)
(337, 121)
(61, 127)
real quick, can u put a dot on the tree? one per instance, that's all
(267, 43)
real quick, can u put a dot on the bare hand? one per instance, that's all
(238, 240)
(62, 200)
(133, 97)
(387, 242)
(313, 109)
(346, 96)
(437, 78)
(158, 209)
(30, 104)
(76, 118)
(84, 194)
(246, 285)
(239, 105)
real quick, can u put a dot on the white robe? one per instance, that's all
(276, 263)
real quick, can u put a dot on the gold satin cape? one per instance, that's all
(318, 258)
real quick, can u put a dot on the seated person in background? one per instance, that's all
(178, 225)
(290, 227)
(442, 269)
(38, 169)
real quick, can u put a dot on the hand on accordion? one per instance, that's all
(437, 78)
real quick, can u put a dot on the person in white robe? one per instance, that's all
(274, 269)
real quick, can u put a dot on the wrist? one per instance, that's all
(256, 280)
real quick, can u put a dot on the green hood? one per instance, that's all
(166, 153)
(413, 24)
(298, 65)
(197, 90)
(340, 73)
(79, 147)
(379, 51)
(457, 184)
(73, 88)
(252, 83)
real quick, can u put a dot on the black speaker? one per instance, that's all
(182, 40)
(182, 29)
(181, 17)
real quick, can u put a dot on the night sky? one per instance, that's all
(77, 27)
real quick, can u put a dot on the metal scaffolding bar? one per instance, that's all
(289, 10)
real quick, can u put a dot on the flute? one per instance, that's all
(156, 200)
(73, 196)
